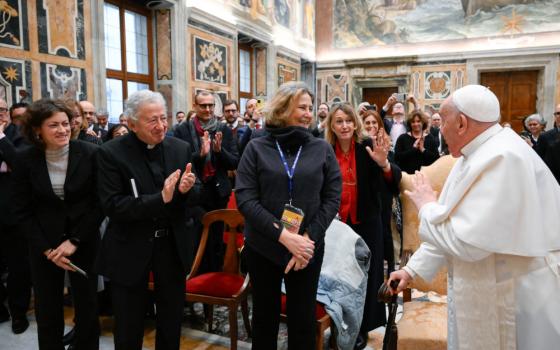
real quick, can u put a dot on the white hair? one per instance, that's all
(536, 117)
(138, 98)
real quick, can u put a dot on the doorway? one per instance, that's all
(378, 96)
(517, 93)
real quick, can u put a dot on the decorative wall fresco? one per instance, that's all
(256, 8)
(13, 24)
(210, 61)
(283, 11)
(359, 23)
(61, 27)
(308, 30)
(15, 80)
(58, 81)
(163, 40)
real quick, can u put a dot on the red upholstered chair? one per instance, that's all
(323, 323)
(228, 287)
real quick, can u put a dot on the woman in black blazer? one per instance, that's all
(366, 172)
(417, 147)
(56, 206)
(273, 250)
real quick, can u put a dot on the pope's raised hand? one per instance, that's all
(422, 192)
(187, 179)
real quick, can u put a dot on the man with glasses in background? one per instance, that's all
(214, 153)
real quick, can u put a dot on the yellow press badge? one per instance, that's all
(292, 218)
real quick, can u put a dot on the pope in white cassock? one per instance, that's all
(496, 225)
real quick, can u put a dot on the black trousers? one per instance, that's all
(374, 311)
(301, 292)
(15, 255)
(48, 286)
(213, 259)
(129, 303)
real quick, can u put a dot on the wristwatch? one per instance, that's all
(75, 241)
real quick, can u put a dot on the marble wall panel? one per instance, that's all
(212, 63)
(261, 74)
(61, 27)
(58, 81)
(15, 80)
(163, 42)
(13, 24)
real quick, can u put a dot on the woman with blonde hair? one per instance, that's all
(366, 173)
(288, 189)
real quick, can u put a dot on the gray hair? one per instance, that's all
(536, 117)
(139, 98)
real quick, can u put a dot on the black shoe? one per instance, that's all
(69, 337)
(71, 347)
(19, 325)
(361, 341)
(4, 314)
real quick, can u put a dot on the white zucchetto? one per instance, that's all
(477, 102)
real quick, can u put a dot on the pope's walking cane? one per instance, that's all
(391, 332)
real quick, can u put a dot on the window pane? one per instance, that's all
(136, 31)
(114, 91)
(242, 103)
(112, 37)
(244, 71)
(134, 86)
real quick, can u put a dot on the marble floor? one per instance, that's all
(191, 339)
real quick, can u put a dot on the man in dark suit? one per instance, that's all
(550, 137)
(14, 248)
(255, 122)
(231, 114)
(214, 154)
(103, 126)
(438, 136)
(322, 113)
(90, 113)
(145, 188)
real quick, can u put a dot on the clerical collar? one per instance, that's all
(472, 146)
(150, 146)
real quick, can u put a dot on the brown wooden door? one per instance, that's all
(378, 96)
(517, 93)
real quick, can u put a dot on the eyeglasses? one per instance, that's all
(557, 114)
(230, 110)
(3, 110)
(206, 105)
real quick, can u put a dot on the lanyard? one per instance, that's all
(289, 171)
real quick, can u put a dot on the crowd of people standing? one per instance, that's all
(125, 201)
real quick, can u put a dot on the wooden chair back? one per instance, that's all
(233, 223)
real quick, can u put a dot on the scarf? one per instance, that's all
(208, 169)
